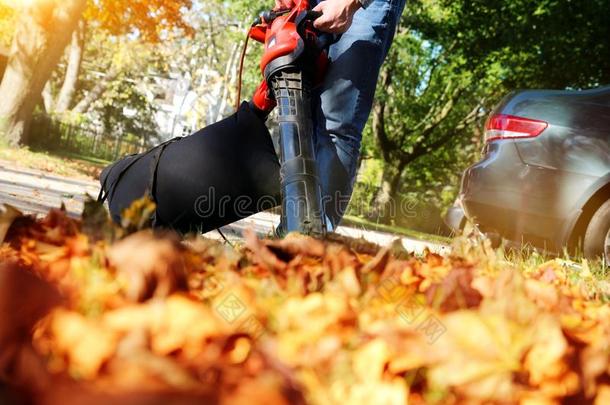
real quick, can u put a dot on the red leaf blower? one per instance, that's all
(293, 63)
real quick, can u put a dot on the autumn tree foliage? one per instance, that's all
(7, 22)
(150, 18)
(45, 27)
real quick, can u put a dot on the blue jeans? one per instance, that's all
(343, 103)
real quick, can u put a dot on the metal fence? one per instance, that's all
(55, 135)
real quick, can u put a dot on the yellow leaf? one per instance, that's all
(478, 355)
(544, 359)
(7, 216)
(370, 360)
(603, 395)
(86, 343)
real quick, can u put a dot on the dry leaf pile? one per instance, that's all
(151, 319)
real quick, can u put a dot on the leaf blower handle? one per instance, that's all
(313, 15)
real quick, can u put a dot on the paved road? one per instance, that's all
(34, 191)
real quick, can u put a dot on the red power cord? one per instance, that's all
(241, 69)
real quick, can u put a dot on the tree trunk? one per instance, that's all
(47, 97)
(42, 33)
(75, 58)
(229, 81)
(385, 202)
(96, 92)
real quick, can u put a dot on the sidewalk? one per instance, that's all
(34, 191)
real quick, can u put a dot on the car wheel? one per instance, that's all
(597, 236)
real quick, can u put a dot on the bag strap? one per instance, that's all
(158, 150)
(105, 191)
(152, 178)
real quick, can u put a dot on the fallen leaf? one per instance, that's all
(151, 265)
(85, 342)
(7, 216)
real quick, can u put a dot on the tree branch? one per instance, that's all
(424, 148)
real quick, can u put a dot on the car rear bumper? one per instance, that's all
(455, 217)
(521, 202)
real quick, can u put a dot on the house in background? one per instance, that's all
(175, 100)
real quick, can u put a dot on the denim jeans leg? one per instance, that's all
(346, 98)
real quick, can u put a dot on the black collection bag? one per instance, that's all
(218, 175)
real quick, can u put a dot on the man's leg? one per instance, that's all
(346, 99)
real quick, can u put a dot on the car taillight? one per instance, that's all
(503, 126)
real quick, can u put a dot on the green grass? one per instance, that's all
(76, 156)
(528, 257)
(358, 222)
(62, 164)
